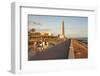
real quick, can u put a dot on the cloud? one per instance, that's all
(36, 23)
(33, 23)
(43, 29)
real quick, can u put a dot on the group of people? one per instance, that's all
(40, 45)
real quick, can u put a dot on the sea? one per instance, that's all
(83, 39)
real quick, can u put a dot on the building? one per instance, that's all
(62, 35)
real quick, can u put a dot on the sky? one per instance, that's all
(74, 26)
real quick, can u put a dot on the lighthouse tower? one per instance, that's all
(62, 35)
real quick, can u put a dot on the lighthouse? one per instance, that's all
(62, 35)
